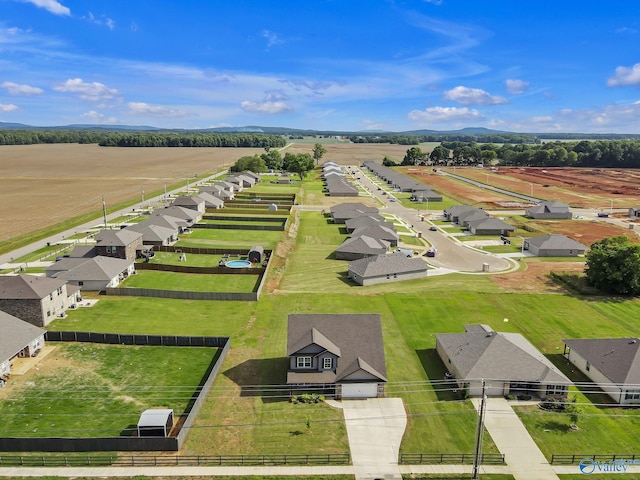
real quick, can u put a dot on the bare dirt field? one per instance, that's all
(354, 153)
(583, 231)
(41, 185)
(535, 279)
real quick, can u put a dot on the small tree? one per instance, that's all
(613, 266)
(414, 156)
(318, 152)
(389, 162)
(573, 410)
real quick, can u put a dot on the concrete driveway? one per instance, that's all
(375, 427)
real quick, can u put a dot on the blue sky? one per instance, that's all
(525, 66)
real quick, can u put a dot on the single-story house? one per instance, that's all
(469, 216)
(452, 213)
(338, 186)
(155, 422)
(153, 234)
(634, 212)
(122, 243)
(244, 181)
(365, 221)
(217, 191)
(490, 226)
(344, 211)
(251, 174)
(98, 273)
(379, 232)
(361, 247)
(225, 185)
(386, 268)
(342, 353)
(25, 340)
(548, 209)
(186, 214)
(554, 245)
(36, 299)
(613, 364)
(211, 201)
(194, 202)
(507, 362)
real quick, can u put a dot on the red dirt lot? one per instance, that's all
(535, 279)
(583, 231)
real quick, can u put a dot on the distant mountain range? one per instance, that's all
(471, 131)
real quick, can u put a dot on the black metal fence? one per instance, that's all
(174, 461)
(449, 458)
(575, 458)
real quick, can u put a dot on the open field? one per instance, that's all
(213, 238)
(93, 390)
(354, 153)
(62, 181)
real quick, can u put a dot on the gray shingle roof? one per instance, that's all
(498, 356)
(376, 231)
(358, 336)
(116, 238)
(363, 244)
(16, 334)
(617, 358)
(386, 264)
(555, 241)
(97, 268)
(366, 220)
(490, 223)
(27, 287)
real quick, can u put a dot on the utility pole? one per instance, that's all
(104, 211)
(477, 457)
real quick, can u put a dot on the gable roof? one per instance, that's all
(386, 264)
(187, 200)
(351, 206)
(22, 334)
(617, 358)
(313, 336)
(96, 268)
(555, 241)
(483, 353)
(116, 238)
(490, 223)
(152, 232)
(27, 287)
(376, 231)
(210, 199)
(358, 336)
(363, 244)
(365, 220)
(549, 206)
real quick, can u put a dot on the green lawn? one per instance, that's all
(193, 259)
(201, 237)
(192, 282)
(93, 390)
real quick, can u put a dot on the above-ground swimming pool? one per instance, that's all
(238, 264)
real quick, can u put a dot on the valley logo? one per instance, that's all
(589, 466)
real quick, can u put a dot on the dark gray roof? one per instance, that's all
(16, 334)
(188, 200)
(555, 241)
(357, 336)
(490, 223)
(550, 206)
(455, 210)
(364, 244)
(466, 216)
(153, 233)
(83, 251)
(27, 287)
(387, 264)
(350, 206)
(377, 231)
(616, 358)
(498, 356)
(366, 220)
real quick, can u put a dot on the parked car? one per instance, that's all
(432, 252)
(433, 228)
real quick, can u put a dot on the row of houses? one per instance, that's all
(403, 183)
(477, 221)
(336, 183)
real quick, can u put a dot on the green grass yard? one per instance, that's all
(192, 282)
(201, 237)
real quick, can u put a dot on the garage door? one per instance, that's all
(359, 390)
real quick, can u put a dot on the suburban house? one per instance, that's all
(187, 214)
(548, 209)
(194, 202)
(36, 299)
(122, 243)
(468, 216)
(401, 182)
(507, 362)
(218, 191)
(453, 213)
(211, 201)
(25, 340)
(339, 353)
(153, 234)
(379, 232)
(554, 245)
(93, 274)
(366, 221)
(613, 364)
(489, 226)
(634, 212)
(360, 247)
(178, 225)
(225, 185)
(344, 211)
(386, 268)
(339, 186)
(250, 174)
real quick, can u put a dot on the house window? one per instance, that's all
(303, 362)
(327, 363)
(588, 366)
(556, 390)
(632, 395)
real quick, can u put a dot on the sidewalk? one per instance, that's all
(524, 458)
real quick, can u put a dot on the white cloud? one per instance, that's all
(275, 101)
(8, 108)
(99, 117)
(141, 108)
(102, 20)
(445, 114)
(272, 38)
(625, 76)
(94, 91)
(473, 96)
(373, 125)
(435, 2)
(516, 87)
(18, 89)
(52, 6)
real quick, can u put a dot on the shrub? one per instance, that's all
(307, 398)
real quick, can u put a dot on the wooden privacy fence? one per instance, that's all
(182, 294)
(193, 269)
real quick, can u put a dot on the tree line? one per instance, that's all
(412, 139)
(599, 154)
(140, 139)
(300, 163)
